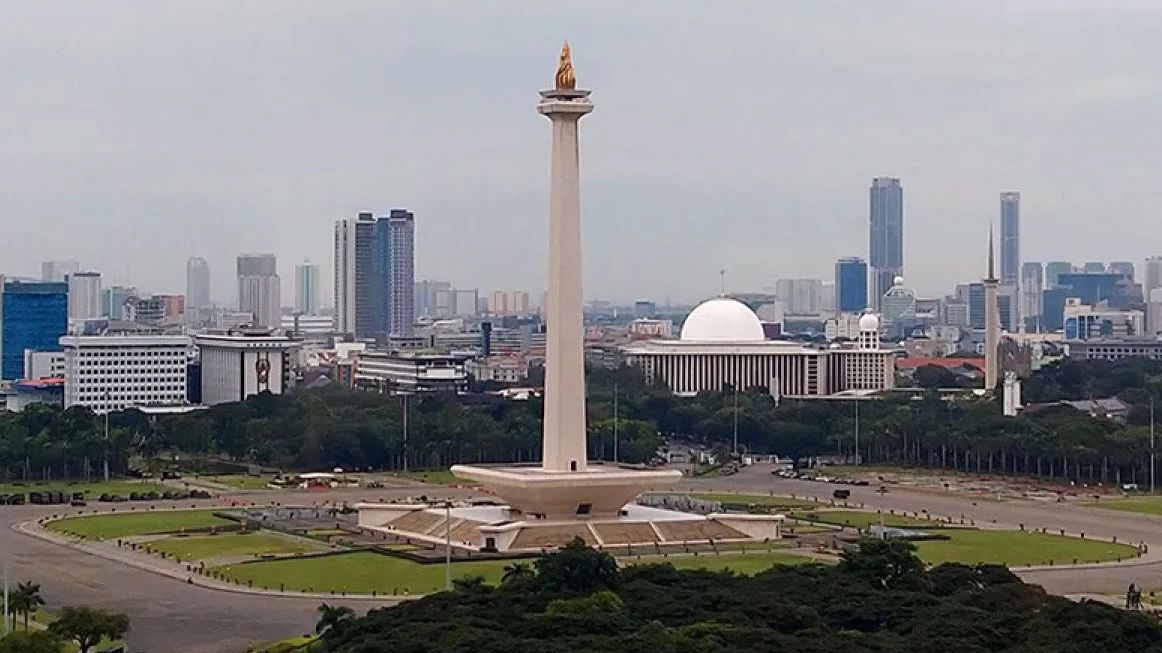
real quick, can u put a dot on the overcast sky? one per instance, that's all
(726, 134)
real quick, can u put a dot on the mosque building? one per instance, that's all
(722, 345)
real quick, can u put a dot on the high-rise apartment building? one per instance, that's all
(800, 296)
(259, 289)
(1032, 283)
(33, 316)
(886, 235)
(307, 288)
(1010, 236)
(84, 296)
(850, 285)
(375, 275)
(1053, 272)
(56, 271)
(197, 290)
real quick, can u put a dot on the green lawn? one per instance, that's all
(435, 477)
(137, 523)
(1146, 505)
(233, 544)
(861, 519)
(756, 499)
(239, 481)
(360, 572)
(743, 563)
(91, 490)
(289, 645)
(1018, 549)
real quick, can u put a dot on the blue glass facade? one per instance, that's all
(32, 316)
(1090, 288)
(851, 285)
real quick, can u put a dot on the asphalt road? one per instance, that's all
(169, 615)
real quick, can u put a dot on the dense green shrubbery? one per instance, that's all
(879, 599)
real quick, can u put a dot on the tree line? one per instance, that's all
(878, 598)
(628, 420)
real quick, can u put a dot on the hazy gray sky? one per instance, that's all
(726, 134)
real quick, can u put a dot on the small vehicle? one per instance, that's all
(842, 495)
(78, 499)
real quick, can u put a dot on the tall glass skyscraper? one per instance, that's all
(1010, 237)
(886, 235)
(307, 288)
(33, 315)
(850, 285)
(375, 275)
(1053, 272)
(197, 284)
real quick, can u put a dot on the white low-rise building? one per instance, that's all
(113, 372)
(722, 345)
(409, 372)
(499, 369)
(240, 363)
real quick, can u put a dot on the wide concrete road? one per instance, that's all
(167, 614)
(1074, 518)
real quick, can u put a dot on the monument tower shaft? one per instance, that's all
(564, 437)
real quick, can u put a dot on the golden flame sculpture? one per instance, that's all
(566, 80)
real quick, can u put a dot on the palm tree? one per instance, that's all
(332, 617)
(27, 599)
(516, 572)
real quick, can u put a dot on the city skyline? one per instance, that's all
(786, 184)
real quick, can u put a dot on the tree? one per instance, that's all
(473, 583)
(889, 562)
(577, 569)
(517, 572)
(26, 642)
(935, 376)
(27, 599)
(332, 618)
(88, 626)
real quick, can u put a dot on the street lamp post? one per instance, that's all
(405, 433)
(857, 431)
(734, 445)
(448, 545)
(108, 407)
(615, 458)
(1152, 457)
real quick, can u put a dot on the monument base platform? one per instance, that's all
(500, 528)
(596, 491)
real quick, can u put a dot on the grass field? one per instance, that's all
(860, 519)
(1018, 549)
(436, 477)
(743, 563)
(233, 544)
(360, 572)
(240, 481)
(137, 523)
(91, 490)
(756, 499)
(289, 645)
(1143, 505)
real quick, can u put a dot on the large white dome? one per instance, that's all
(724, 320)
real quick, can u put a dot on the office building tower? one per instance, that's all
(1124, 268)
(465, 302)
(977, 308)
(375, 275)
(57, 271)
(1032, 283)
(113, 301)
(197, 284)
(1010, 236)
(850, 285)
(800, 296)
(33, 315)
(259, 289)
(307, 288)
(1153, 276)
(1093, 267)
(886, 242)
(401, 272)
(1088, 288)
(147, 311)
(644, 310)
(519, 302)
(242, 363)
(425, 296)
(1154, 311)
(113, 372)
(84, 296)
(1053, 272)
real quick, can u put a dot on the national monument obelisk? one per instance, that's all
(564, 425)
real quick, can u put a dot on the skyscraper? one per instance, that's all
(1053, 272)
(1010, 236)
(259, 289)
(375, 274)
(1124, 268)
(84, 295)
(307, 288)
(1094, 267)
(800, 296)
(886, 241)
(1032, 283)
(1153, 276)
(197, 286)
(850, 285)
(32, 316)
(113, 301)
(55, 271)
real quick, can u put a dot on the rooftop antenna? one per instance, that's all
(722, 282)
